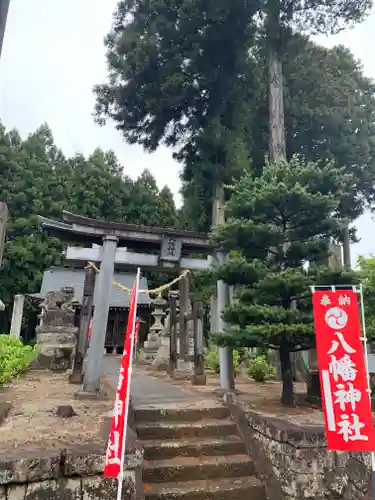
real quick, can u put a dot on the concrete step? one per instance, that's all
(190, 414)
(163, 449)
(242, 488)
(196, 468)
(187, 430)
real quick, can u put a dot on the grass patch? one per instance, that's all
(15, 357)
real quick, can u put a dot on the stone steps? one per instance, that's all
(189, 414)
(196, 468)
(245, 488)
(195, 447)
(178, 430)
(194, 453)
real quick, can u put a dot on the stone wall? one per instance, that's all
(74, 474)
(294, 463)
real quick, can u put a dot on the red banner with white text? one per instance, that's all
(343, 378)
(116, 442)
(90, 330)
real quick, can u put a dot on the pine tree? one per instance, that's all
(279, 222)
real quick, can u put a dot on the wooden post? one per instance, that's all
(173, 333)
(198, 377)
(84, 323)
(3, 227)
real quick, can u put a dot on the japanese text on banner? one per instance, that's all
(343, 378)
(113, 461)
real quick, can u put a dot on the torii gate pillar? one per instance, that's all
(95, 353)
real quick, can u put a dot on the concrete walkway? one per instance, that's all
(144, 388)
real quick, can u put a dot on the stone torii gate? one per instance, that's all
(166, 250)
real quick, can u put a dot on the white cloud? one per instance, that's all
(52, 56)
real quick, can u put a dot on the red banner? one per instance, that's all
(117, 433)
(343, 378)
(90, 330)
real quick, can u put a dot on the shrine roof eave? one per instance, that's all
(75, 228)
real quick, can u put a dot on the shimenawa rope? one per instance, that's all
(155, 291)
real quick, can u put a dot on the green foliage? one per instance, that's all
(260, 369)
(367, 278)
(315, 16)
(291, 204)
(203, 283)
(277, 222)
(321, 122)
(160, 49)
(213, 362)
(195, 75)
(15, 358)
(203, 70)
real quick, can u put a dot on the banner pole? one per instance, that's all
(121, 475)
(364, 336)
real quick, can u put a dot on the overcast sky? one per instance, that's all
(53, 55)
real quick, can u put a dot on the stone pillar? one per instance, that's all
(213, 304)
(299, 358)
(199, 377)
(225, 353)
(15, 328)
(184, 361)
(314, 394)
(93, 368)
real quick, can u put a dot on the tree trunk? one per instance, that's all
(346, 248)
(218, 202)
(287, 397)
(277, 145)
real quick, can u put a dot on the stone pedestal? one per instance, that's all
(300, 365)
(161, 360)
(186, 365)
(56, 347)
(314, 394)
(57, 336)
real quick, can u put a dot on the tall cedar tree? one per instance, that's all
(334, 120)
(179, 73)
(278, 222)
(190, 74)
(280, 19)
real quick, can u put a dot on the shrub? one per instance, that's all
(15, 357)
(260, 369)
(213, 362)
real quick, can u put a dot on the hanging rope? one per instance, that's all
(155, 291)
